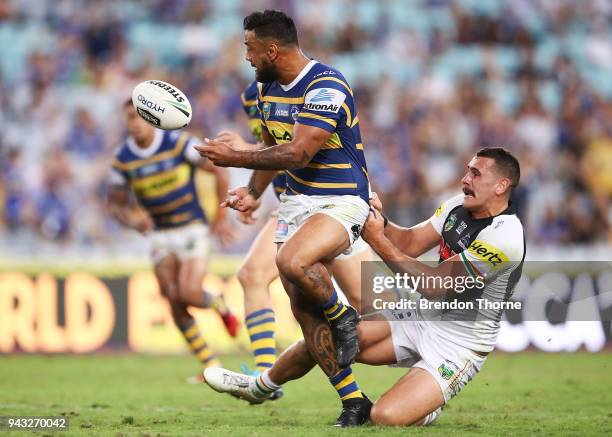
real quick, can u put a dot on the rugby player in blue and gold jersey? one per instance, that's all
(311, 127)
(152, 190)
(259, 267)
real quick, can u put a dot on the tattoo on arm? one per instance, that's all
(279, 157)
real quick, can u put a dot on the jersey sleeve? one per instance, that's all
(116, 178)
(326, 102)
(496, 248)
(439, 217)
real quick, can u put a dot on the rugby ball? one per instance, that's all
(161, 104)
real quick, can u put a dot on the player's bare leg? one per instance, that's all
(167, 273)
(410, 401)
(347, 273)
(190, 277)
(255, 275)
(300, 260)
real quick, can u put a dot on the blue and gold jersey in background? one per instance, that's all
(162, 178)
(320, 96)
(249, 104)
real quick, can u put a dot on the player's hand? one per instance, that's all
(224, 231)
(220, 153)
(235, 141)
(246, 218)
(374, 227)
(375, 202)
(145, 225)
(240, 200)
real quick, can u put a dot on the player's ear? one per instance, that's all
(272, 51)
(502, 186)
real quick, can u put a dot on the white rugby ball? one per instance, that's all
(161, 104)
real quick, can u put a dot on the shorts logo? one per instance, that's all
(447, 369)
(328, 206)
(488, 253)
(450, 223)
(282, 228)
(190, 244)
(356, 230)
(267, 106)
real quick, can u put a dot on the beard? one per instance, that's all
(266, 73)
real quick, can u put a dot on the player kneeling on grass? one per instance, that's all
(152, 190)
(479, 236)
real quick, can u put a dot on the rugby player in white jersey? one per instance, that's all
(479, 236)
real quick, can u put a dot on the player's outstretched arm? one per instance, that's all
(125, 212)
(398, 261)
(307, 140)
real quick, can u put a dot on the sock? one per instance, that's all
(345, 384)
(333, 308)
(197, 344)
(260, 325)
(264, 384)
(216, 302)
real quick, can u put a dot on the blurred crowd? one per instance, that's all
(434, 81)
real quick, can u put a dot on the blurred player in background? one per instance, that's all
(152, 190)
(310, 125)
(259, 268)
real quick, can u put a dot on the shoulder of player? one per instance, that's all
(448, 205)
(505, 234)
(249, 95)
(324, 76)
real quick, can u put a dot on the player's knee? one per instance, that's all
(291, 265)
(188, 289)
(382, 414)
(250, 276)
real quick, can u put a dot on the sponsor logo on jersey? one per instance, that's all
(439, 211)
(267, 106)
(465, 240)
(281, 110)
(324, 99)
(461, 227)
(326, 72)
(450, 222)
(487, 253)
(150, 104)
(148, 116)
(294, 112)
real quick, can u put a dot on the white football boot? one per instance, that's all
(236, 384)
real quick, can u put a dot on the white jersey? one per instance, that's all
(492, 248)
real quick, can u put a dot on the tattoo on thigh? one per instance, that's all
(322, 348)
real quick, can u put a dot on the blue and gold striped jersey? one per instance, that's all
(249, 104)
(162, 178)
(319, 96)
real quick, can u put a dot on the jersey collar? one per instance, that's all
(148, 151)
(299, 77)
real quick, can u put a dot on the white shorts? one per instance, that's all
(451, 365)
(358, 247)
(350, 211)
(186, 242)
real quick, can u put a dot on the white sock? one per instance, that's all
(265, 378)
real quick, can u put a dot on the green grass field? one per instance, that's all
(531, 393)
